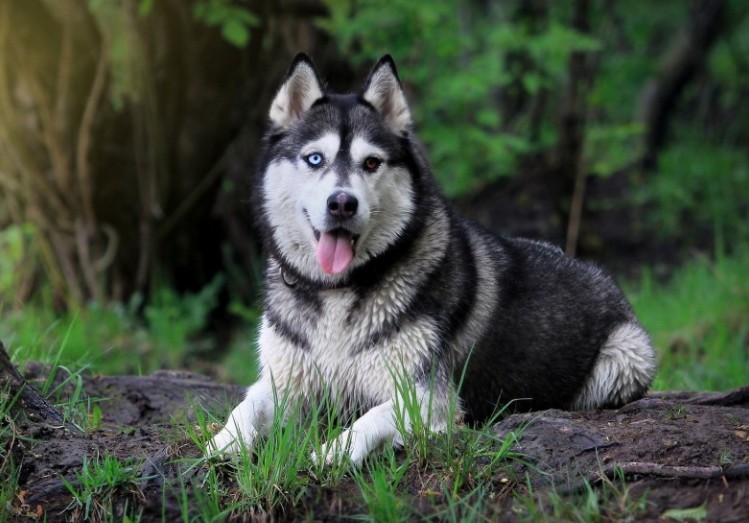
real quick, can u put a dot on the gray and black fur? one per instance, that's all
(402, 278)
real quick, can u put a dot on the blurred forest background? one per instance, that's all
(618, 129)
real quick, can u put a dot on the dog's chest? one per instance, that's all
(349, 331)
(352, 345)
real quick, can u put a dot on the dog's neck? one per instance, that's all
(291, 278)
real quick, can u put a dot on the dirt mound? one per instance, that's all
(685, 450)
(675, 450)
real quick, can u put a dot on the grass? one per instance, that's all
(9, 472)
(111, 340)
(380, 484)
(612, 500)
(97, 484)
(699, 322)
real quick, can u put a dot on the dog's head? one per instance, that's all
(337, 189)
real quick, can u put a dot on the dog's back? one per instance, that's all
(547, 341)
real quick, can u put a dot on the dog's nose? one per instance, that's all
(342, 205)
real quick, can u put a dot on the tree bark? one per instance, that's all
(26, 399)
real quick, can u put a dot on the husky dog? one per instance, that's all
(370, 270)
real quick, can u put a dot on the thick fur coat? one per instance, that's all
(372, 275)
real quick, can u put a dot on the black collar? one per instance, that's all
(292, 279)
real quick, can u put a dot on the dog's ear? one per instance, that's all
(384, 91)
(297, 94)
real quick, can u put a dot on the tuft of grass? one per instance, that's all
(612, 500)
(379, 486)
(98, 482)
(473, 506)
(12, 505)
(274, 474)
(9, 472)
(677, 411)
(473, 457)
(699, 322)
(204, 500)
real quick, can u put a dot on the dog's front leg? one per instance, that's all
(251, 418)
(380, 425)
(376, 427)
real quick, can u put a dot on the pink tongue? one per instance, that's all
(334, 251)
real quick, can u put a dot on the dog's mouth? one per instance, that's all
(335, 249)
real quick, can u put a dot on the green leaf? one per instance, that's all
(236, 33)
(682, 514)
(246, 17)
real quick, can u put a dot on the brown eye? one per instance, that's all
(371, 164)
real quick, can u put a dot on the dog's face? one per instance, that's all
(337, 190)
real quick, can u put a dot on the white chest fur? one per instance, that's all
(346, 354)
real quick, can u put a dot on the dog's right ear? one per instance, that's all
(297, 94)
(384, 92)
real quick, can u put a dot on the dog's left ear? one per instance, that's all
(384, 91)
(299, 91)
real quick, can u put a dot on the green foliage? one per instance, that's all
(234, 20)
(700, 185)
(173, 318)
(240, 364)
(145, 7)
(698, 322)
(119, 46)
(610, 148)
(15, 259)
(112, 339)
(457, 59)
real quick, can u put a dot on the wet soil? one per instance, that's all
(671, 450)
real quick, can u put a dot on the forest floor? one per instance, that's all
(683, 456)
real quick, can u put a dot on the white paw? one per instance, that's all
(229, 441)
(349, 445)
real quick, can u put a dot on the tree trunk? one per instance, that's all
(128, 139)
(570, 169)
(685, 58)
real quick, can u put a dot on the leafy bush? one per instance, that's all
(114, 338)
(698, 322)
(700, 185)
(458, 61)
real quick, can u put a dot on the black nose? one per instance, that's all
(342, 205)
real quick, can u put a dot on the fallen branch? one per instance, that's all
(659, 470)
(656, 470)
(32, 403)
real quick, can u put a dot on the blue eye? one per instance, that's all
(314, 159)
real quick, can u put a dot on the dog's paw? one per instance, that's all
(350, 446)
(228, 442)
